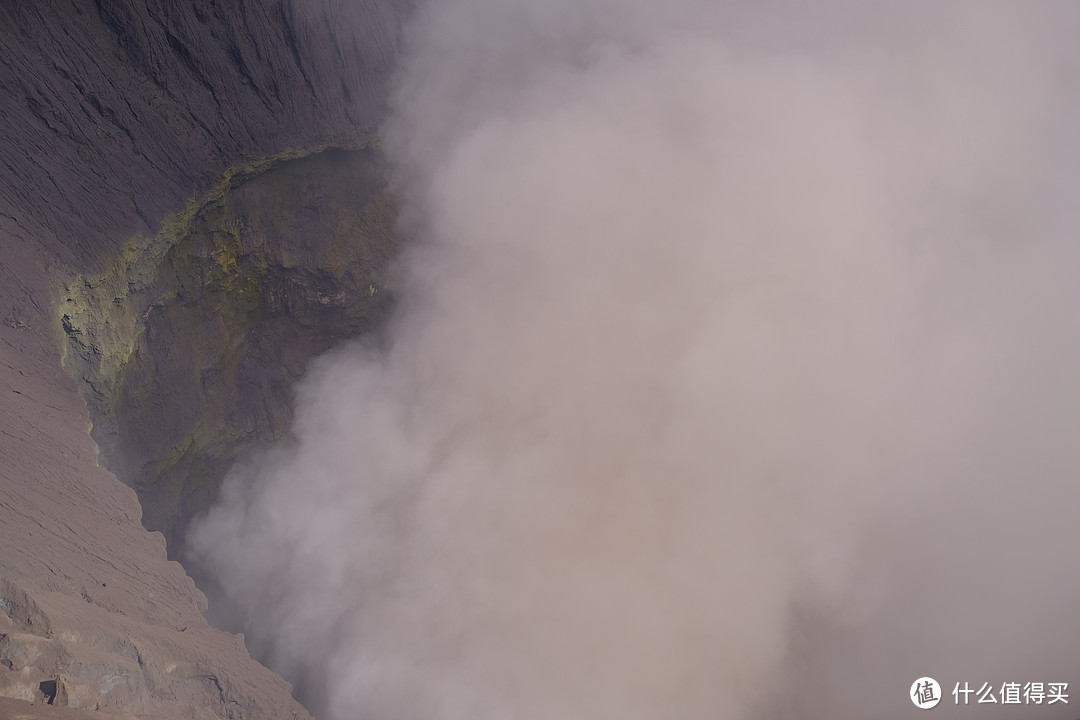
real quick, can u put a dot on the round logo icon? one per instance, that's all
(925, 693)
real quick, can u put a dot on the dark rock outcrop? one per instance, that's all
(114, 113)
(190, 343)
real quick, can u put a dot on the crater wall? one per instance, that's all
(191, 205)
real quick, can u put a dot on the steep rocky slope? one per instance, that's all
(115, 112)
(92, 614)
(190, 208)
(191, 340)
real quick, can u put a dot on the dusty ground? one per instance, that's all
(22, 710)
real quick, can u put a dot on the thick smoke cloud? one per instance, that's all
(734, 375)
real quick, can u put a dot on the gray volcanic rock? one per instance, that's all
(114, 115)
(189, 356)
(92, 614)
(114, 112)
(11, 709)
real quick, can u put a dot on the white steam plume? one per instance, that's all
(735, 375)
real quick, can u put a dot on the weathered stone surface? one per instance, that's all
(190, 343)
(86, 594)
(115, 116)
(14, 709)
(114, 112)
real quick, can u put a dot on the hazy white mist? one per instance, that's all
(735, 375)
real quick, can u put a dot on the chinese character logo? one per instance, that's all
(1012, 693)
(925, 693)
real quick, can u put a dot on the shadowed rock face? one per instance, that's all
(115, 112)
(190, 208)
(191, 341)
